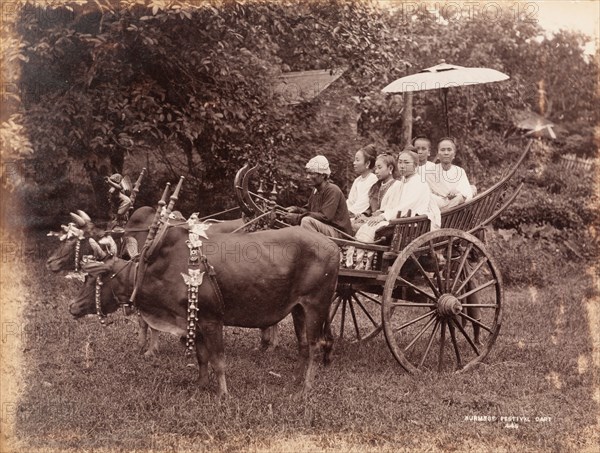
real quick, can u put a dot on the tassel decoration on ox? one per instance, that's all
(193, 280)
(101, 316)
(77, 274)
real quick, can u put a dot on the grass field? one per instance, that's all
(72, 385)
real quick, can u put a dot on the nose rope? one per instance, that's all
(98, 293)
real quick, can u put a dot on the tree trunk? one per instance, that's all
(407, 118)
(117, 161)
(99, 187)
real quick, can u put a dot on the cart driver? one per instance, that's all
(326, 211)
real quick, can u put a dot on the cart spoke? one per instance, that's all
(333, 311)
(476, 290)
(343, 318)
(481, 305)
(442, 343)
(481, 262)
(449, 264)
(466, 335)
(421, 332)
(475, 321)
(369, 297)
(429, 343)
(410, 323)
(417, 289)
(359, 303)
(407, 303)
(353, 313)
(455, 344)
(438, 275)
(463, 260)
(424, 274)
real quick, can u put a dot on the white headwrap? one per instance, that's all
(319, 164)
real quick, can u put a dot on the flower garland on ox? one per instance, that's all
(194, 278)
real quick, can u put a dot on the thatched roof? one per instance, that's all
(534, 124)
(302, 86)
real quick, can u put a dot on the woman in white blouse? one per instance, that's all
(453, 187)
(408, 194)
(358, 198)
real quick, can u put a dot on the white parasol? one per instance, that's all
(444, 76)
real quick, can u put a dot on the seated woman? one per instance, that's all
(358, 198)
(409, 194)
(451, 186)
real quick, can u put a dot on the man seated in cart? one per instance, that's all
(326, 211)
(450, 185)
(408, 195)
(119, 200)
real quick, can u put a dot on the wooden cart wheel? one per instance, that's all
(355, 313)
(442, 302)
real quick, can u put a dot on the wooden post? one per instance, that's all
(136, 187)
(154, 225)
(407, 118)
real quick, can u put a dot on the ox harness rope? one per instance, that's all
(198, 266)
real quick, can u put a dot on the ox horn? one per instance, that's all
(99, 254)
(84, 216)
(78, 220)
(110, 244)
(131, 246)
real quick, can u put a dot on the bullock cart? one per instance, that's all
(436, 295)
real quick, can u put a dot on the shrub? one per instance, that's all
(539, 256)
(555, 196)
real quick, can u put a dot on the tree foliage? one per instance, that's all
(191, 84)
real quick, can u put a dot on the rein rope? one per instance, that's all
(250, 222)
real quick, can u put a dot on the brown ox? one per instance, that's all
(137, 228)
(63, 258)
(262, 276)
